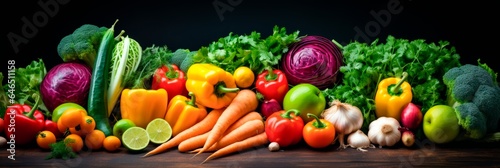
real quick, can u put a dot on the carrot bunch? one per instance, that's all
(223, 131)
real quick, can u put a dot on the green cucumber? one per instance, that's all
(97, 98)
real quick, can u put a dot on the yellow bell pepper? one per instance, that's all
(392, 96)
(142, 106)
(212, 86)
(183, 113)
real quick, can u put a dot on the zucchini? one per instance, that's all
(97, 98)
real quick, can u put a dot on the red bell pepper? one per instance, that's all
(284, 127)
(272, 84)
(27, 123)
(170, 78)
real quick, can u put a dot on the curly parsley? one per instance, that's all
(365, 65)
(251, 50)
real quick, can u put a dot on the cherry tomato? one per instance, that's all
(45, 138)
(94, 139)
(111, 143)
(74, 141)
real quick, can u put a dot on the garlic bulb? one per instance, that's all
(359, 140)
(345, 118)
(384, 131)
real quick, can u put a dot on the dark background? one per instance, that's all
(468, 26)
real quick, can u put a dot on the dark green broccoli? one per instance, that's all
(472, 121)
(475, 95)
(188, 61)
(82, 44)
(178, 56)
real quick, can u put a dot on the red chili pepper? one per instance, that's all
(272, 85)
(26, 123)
(172, 79)
(284, 127)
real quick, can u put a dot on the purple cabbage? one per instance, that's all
(66, 82)
(313, 59)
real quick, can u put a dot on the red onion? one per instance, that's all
(411, 116)
(313, 59)
(268, 107)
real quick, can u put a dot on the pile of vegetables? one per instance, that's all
(376, 93)
(365, 65)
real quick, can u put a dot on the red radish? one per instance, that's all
(268, 107)
(411, 116)
(408, 138)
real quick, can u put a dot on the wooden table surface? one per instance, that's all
(423, 154)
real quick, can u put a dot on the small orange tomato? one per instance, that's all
(318, 133)
(94, 139)
(111, 143)
(72, 117)
(87, 125)
(45, 138)
(77, 130)
(74, 141)
(61, 127)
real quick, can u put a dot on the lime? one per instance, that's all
(135, 138)
(159, 130)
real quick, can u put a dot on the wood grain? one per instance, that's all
(422, 155)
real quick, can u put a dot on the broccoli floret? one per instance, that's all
(82, 44)
(472, 120)
(187, 62)
(487, 98)
(475, 97)
(465, 89)
(178, 56)
(450, 76)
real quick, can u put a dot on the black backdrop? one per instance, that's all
(468, 26)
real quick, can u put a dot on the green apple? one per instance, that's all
(306, 98)
(121, 126)
(60, 109)
(441, 124)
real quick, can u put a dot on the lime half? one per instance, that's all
(135, 138)
(159, 130)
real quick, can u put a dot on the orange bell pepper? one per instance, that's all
(183, 113)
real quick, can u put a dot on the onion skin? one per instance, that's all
(268, 107)
(411, 116)
(313, 59)
(408, 138)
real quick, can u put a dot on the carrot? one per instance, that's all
(247, 130)
(199, 141)
(245, 144)
(199, 128)
(244, 102)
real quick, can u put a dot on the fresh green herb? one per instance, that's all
(27, 85)
(4, 101)
(251, 50)
(61, 150)
(152, 58)
(367, 64)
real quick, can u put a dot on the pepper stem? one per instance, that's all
(171, 74)
(287, 113)
(192, 101)
(317, 123)
(270, 74)
(221, 89)
(34, 107)
(398, 85)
